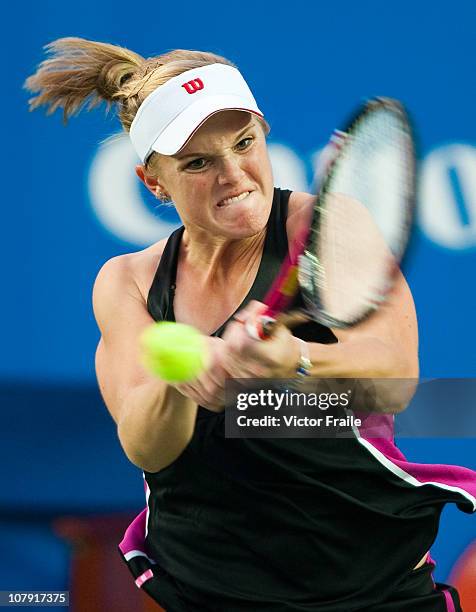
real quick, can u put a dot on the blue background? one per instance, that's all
(308, 63)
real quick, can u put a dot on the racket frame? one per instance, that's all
(302, 268)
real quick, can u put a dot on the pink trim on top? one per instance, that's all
(437, 474)
(431, 561)
(147, 575)
(135, 534)
(448, 601)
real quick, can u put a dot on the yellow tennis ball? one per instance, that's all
(175, 352)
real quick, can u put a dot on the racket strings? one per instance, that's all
(364, 221)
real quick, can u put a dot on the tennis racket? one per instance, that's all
(346, 261)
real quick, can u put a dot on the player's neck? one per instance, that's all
(215, 260)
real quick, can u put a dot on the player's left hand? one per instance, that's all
(275, 357)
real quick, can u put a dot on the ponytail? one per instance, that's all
(81, 71)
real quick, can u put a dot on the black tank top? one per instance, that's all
(281, 524)
(161, 294)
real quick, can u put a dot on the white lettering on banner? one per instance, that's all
(447, 198)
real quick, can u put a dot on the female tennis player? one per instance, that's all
(278, 525)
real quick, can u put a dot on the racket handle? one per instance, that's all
(266, 324)
(262, 329)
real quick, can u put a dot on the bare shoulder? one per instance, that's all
(299, 210)
(299, 200)
(143, 266)
(129, 275)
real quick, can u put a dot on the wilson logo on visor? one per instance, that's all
(193, 86)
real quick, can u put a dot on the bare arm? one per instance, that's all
(385, 345)
(154, 420)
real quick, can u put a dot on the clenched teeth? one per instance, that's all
(238, 198)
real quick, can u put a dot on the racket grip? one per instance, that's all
(262, 329)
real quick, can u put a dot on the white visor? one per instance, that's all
(170, 115)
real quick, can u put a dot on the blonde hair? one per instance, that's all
(81, 72)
